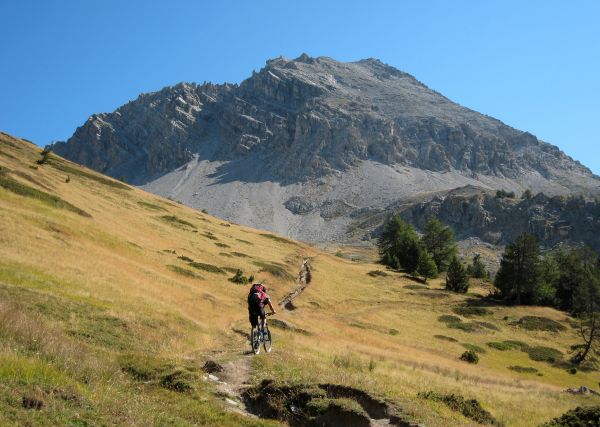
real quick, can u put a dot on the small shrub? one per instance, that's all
(278, 238)
(67, 179)
(463, 326)
(523, 369)
(210, 235)
(151, 206)
(543, 354)
(244, 241)
(204, 211)
(572, 371)
(473, 347)
(536, 323)
(469, 356)
(45, 153)
(185, 258)
(377, 273)
(222, 245)
(579, 416)
(393, 331)
(517, 344)
(177, 222)
(449, 319)
(445, 338)
(183, 271)
(487, 325)
(179, 380)
(207, 267)
(239, 278)
(240, 254)
(468, 311)
(339, 254)
(470, 408)
(502, 346)
(416, 287)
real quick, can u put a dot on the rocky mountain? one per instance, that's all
(310, 147)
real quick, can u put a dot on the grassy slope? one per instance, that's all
(82, 297)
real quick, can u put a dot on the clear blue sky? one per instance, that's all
(532, 64)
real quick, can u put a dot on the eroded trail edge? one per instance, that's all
(303, 280)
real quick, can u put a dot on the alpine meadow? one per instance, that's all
(113, 300)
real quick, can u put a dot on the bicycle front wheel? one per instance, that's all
(267, 340)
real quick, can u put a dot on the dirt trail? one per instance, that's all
(303, 280)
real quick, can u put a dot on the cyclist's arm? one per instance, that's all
(268, 301)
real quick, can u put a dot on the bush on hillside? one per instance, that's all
(538, 323)
(579, 416)
(469, 356)
(470, 408)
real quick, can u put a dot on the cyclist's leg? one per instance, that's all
(262, 319)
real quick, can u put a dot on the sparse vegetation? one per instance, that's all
(49, 199)
(503, 194)
(538, 323)
(377, 273)
(445, 338)
(474, 347)
(183, 271)
(151, 206)
(278, 239)
(207, 267)
(74, 171)
(469, 311)
(177, 222)
(276, 269)
(470, 408)
(523, 369)
(580, 416)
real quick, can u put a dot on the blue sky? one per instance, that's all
(534, 65)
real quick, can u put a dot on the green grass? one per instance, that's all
(275, 269)
(469, 311)
(49, 199)
(207, 267)
(474, 347)
(445, 338)
(278, 239)
(183, 271)
(523, 369)
(177, 222)
(470, 408)
(536, 323)
(151, 206)
(60, 165)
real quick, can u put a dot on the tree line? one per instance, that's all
(567, 278)
(435, 252)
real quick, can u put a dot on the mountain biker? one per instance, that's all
(257, 298)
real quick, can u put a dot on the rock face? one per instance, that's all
(308, 147)
(475, 213)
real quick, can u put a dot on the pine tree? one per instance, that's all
(438, 240)
(399, 245)
(519, 276)
(477, 269)
(456, 279)
(426, 267)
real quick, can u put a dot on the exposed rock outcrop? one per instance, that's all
(307, 147)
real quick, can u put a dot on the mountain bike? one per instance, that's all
(261, 335)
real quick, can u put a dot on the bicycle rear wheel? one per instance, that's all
(267, 340)
(255, 340)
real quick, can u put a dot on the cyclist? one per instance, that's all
(257, 298)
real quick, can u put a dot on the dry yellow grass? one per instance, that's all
(103, 287)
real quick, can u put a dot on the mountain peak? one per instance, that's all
(358, 134)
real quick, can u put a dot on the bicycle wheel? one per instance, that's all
(255, 340)
(267, 340)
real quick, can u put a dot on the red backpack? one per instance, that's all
(257, 296)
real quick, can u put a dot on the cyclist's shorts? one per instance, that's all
(255, 314)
